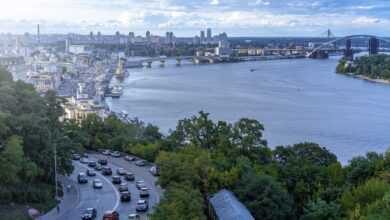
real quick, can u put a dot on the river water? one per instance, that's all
(296, 100)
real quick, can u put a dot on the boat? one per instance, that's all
(116, 91)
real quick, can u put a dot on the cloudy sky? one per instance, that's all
(187, 17)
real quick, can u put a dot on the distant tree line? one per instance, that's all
(375, 66)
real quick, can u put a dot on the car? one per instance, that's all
(107, 171)
(102, 162)
(111, 215)
(116, 180)
(76, 156)
(115, 154)
(89, 214)
(144, 192)
(85, 155)
(140, 163)
(129, 158)
(125, 196)
(123, 187)
(92, 164)
(139, 184)
(91, 172)
(120, 171)
(84, 160)
(142, 206)
(129, 176)
(82, 178)
(98, 167)
(155, 170)
(97, 184)
(106, 152)
(134, 217)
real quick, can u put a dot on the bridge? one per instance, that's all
(162, 60)
(373, 44)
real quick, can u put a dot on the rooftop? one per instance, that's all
(228, 207)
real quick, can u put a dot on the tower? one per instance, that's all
(209, 34)
(373, 45)
(202, 37)
(38, 34)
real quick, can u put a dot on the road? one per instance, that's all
(85, 196)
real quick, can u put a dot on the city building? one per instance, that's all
(209, 35)
(202, 37)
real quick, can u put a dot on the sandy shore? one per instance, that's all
(383, 81)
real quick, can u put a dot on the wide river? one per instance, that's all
(296, 100)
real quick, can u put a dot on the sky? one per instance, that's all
(256, 18)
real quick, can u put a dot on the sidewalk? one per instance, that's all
(70, 199)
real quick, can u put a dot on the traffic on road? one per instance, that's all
(113, 186)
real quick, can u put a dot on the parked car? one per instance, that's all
(84, 160)
(107, 171)
(142, 206)
(115, 154)
(140, 163)
(98, 167)
(129, 158)
(134, 217)
(82, 178)
(102, 162)
(129, 176)
(89, 214)
(123, 187)
(120, 171)
(116, 180)
(92, 164)
(139, 184)
(85, 155)
(144, 192)
(97, 184)
(76, 156)
(125, 196)
(155, 170)
(91, 172)
(111, 215)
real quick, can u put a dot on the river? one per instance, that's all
(296, 100)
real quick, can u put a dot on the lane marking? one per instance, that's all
(109, 183)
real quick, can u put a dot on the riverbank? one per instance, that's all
(366, 78)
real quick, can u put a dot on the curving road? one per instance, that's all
(82, 196)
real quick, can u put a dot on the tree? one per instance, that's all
(321, 210)
(180, 202)
(11, 161)
(265, 198)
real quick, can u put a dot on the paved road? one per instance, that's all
(82, 196)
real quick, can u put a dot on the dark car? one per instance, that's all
(76, 156)
(129, 176)
(107, 171)
(102, 162)
(125, 196)
(116, 180)
(120, 171)
(144, 192)
(92, 164)
(82, 178)
(89, 214)
(91, 173)
(111, 215)
(142, 206)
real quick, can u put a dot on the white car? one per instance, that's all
(97, 184)
(134, 217)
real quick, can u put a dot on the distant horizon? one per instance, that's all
(236, 17)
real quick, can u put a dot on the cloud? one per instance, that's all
(214, 2)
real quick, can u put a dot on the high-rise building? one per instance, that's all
(202, 37)
(38, 34)
(131, 35)
(91, 35)
(348, 50)
(373, 45)
(147, 35)
(169, 38)
(209, 34)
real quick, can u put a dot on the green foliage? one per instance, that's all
(321, 210)
(362, 168)
(180, 202)
(264, 197)
(146, 151)
(374, 66)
